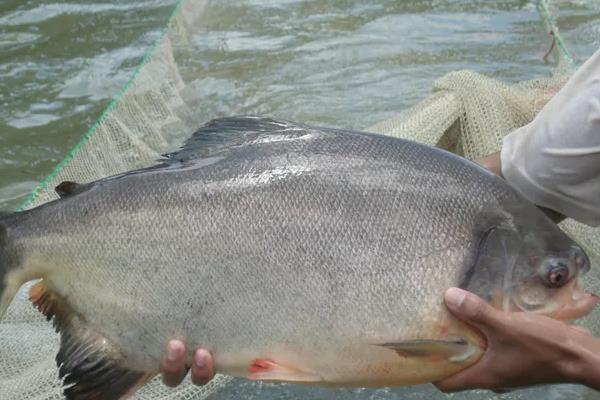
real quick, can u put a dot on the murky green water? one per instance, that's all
(60, 63)
(342, 63)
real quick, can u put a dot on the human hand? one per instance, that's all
(523, 349)
(173, 365)
(491, 162)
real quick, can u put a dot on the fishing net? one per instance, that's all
(467, 112)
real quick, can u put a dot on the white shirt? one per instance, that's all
(554, 161)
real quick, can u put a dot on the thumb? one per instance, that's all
(471, 309)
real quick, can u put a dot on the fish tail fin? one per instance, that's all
(9, 283)
(5, 293)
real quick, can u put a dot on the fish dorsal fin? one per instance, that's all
(223, 134)
(68, 188)
(90, 366)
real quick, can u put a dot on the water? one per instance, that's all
(342, 63)
(60, 63)
(351, 63)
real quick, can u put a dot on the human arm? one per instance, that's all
(554, 161)
(523, 349)
(493, 162)
(174, 368)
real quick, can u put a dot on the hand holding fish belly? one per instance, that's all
(523, 349)
(173, 365)
(321, 253)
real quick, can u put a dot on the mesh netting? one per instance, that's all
(467, 112)
(136, 128)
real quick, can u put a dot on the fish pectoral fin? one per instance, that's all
(268, 370)
(454, 350)
(90, 366)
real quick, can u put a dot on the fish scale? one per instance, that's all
(292, 253)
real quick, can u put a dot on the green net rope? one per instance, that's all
(113, 103)
(550, 20)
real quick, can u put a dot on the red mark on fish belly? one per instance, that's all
(268, 370)
(261, 365)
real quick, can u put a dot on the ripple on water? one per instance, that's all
(10, 195)
(46, 12)
(101, 76)
(235, 41)
(29, 120)
(14, 40)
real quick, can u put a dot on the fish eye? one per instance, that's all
(558, 276)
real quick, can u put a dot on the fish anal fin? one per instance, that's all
(268, 370)
(453, 350)
(91, 367)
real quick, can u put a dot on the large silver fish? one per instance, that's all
(292, 253)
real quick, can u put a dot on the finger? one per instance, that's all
(202, 367)
(172, 364)
(581, 329)
(471, 309)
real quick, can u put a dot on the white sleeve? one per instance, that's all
(555, 160)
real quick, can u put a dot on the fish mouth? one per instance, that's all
(574, 302)
(577, 308)
(567, 304)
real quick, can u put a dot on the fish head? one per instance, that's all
(525, 262)
(547, 277)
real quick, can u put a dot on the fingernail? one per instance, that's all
(201, 358)
(174, 350)
(455, 297)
